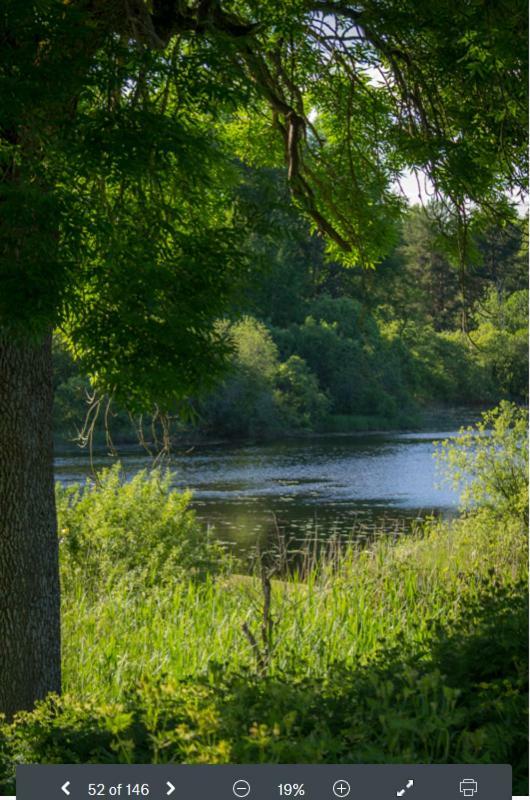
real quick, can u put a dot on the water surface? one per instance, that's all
(343, 484)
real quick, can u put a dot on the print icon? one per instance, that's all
(241, 788)
(401, 792)
(468, 787)
(341, 788)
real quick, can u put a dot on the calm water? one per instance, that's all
(350, 485)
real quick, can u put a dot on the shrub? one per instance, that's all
(140, 529)
(261, 396)
(356, 366)
(244, 404)
(442, 367)
(503, 356)
(302, 402)
(488, 463)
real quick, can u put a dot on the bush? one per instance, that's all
(139, 529)
(488, 463)
(302, 403)
(502, 347)
(261, 396)
(356, 366)
(442, 367)
(245, 404)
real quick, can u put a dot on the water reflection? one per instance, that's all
(321, 486)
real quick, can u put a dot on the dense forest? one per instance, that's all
(318, 346)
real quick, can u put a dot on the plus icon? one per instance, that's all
(341, 788)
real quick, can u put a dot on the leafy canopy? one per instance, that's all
(124, 126)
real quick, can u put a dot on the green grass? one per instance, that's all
(383, 596)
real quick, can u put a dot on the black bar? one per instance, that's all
(265, 782)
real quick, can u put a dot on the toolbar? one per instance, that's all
(265, 782)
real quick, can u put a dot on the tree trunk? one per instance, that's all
(30, 665)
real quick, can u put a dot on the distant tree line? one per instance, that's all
(320, 346)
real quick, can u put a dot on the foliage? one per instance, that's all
(355, 365)
(412, 652)
(430, 283)
(441, 366)
(121, 133)
(71, 404)
(489, 462)
(260, 395)
(378, 358)
(287, 264)
(435, 70)
(117, 202)
(140, 530)
(501, 339)
(244, 403)
(303, 403)
(162, 211)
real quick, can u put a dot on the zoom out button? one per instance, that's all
(241, 788)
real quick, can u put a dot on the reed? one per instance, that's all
(340, 604)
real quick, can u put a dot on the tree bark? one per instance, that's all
(30, 664)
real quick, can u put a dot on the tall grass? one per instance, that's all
(410, 652)
(346, 611)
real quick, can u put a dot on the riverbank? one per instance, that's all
(411, 650)
(350, 485)
(407, 652)
(432, 417)
(356, 605)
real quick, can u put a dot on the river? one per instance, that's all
(350, 485)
